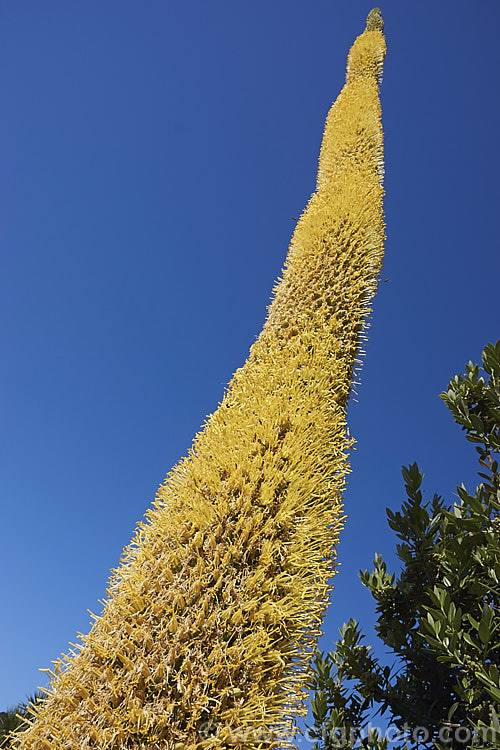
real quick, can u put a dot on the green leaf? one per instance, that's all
(495, 692)
(472, 642)
(484, 631)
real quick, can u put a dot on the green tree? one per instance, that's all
(440, 617)
(9, 721)
(17, 718)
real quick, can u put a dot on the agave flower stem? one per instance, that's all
(216, 607)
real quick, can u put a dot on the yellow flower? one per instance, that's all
(216, 607)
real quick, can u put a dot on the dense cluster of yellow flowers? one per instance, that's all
(216, 606)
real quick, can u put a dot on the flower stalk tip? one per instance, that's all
(374, 20)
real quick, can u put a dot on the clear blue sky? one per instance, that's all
(154, 153)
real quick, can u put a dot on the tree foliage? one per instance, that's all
(439, 616)
(17, 718)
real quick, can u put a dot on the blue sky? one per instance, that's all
(153, 156)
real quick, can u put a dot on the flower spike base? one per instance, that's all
(216, 606)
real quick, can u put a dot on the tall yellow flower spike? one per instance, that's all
(215, 609)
